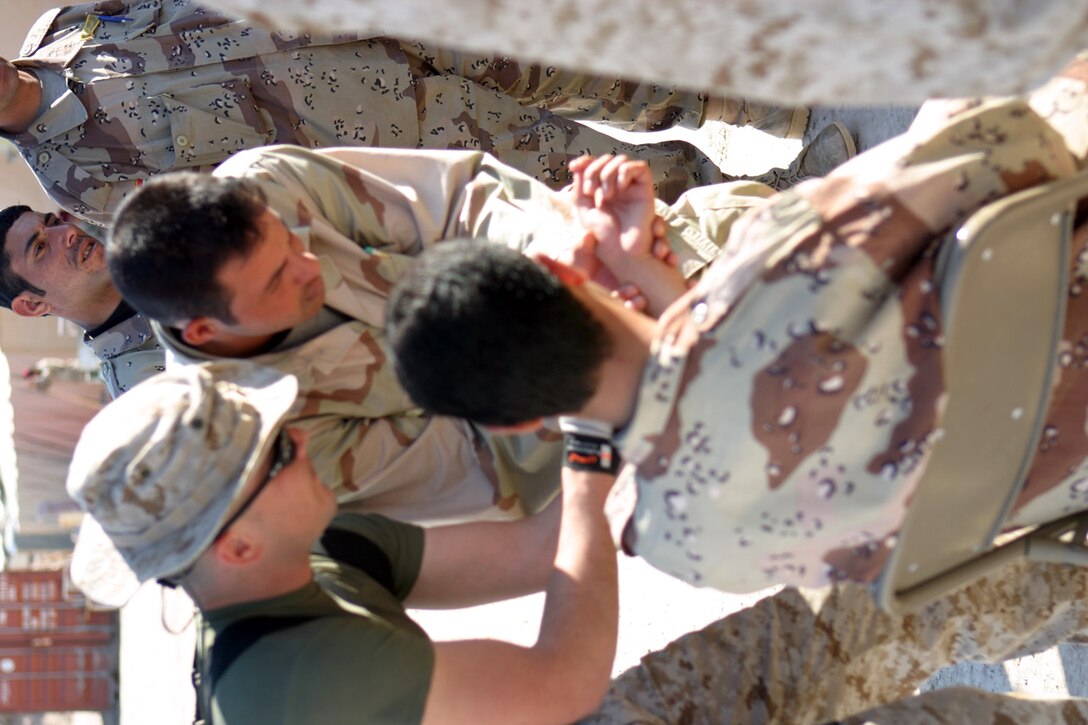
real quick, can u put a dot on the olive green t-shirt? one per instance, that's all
(360, 660)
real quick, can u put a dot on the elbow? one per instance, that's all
(590, 697)
(583, 694)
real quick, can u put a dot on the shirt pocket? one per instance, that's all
(140, 21)
(210, 122)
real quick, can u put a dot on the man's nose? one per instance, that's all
(300, 438)
(68, 234)
(308, 268)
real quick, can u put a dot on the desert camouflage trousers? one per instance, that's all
(527, 116)
(799, 51)
(830, 655)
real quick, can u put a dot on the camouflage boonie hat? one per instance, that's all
(158, 469)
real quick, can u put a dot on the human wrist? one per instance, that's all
(587, 445)
(586, 426)
(660, 284)
(589, 454)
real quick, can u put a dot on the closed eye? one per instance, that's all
(277, 277)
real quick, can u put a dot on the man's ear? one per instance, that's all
(200, 330)
(527, 427)
(27, 305)
(568, 275)
(236, 549)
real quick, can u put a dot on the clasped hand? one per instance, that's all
(625, 248)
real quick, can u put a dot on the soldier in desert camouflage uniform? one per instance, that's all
(112, 93)
(353, 219)
(180, 86)
(825, 289)
(52, 266)
(789, 400)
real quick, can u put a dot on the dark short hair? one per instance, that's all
(170, 239)
(12, 284)
(481, 332)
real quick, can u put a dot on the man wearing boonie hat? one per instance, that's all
(194, 481)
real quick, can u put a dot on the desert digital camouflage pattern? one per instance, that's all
(833, 656)
(793, 395)
(365, 213)
(803, 52)
(182, 86)
(128, 353)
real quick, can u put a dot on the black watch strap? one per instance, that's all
(589, 453)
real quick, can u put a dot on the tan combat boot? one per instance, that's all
(779, 121)
(832, 146)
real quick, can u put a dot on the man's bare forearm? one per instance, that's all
(581, 609)
(566, 674)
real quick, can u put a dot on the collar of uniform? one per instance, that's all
(129, 334)
(338, 295)
(122, 313)
(38, 31)
(176, 348)
(58, 53)
(321, 354)
(64, 29)
(330, 275)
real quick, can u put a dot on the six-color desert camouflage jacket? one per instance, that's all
(365, 213)
(795, 392)
(178, 85)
